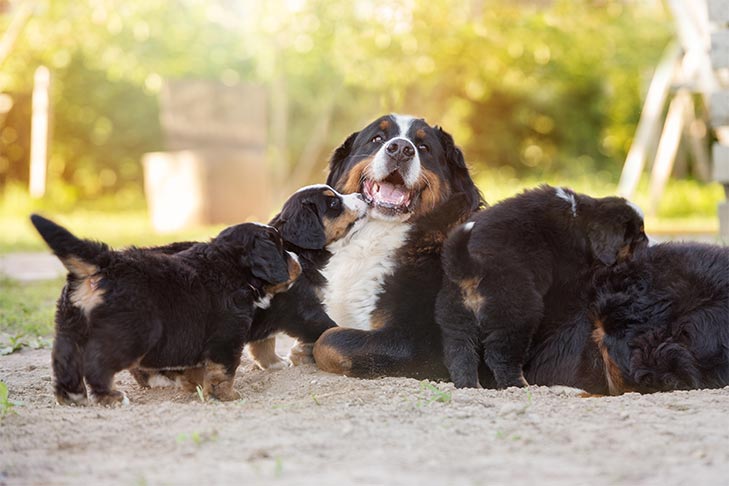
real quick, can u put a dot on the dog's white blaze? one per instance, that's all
(469, 226)
(357, 270)
(570, 198)
(159, 381)
(403, 123)
(354, 202)
(636, 208)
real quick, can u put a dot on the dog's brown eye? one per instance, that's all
(377, 139)
(423, 147)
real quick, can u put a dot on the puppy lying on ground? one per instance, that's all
(661, 321)
(310, 220)
(151, 309)
(502, 264)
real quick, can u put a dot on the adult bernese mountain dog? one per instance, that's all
(506, 259)
(383, 283)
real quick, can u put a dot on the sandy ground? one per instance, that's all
(302, 426)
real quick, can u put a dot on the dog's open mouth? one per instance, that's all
(389, 194)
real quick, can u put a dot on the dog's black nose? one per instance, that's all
(400, 150)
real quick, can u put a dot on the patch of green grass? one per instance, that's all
(198, 438)
(430, 393)
(6, 405)
(26, 309)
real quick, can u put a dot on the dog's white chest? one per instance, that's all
(357, 271)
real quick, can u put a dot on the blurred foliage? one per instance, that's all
(535, 89)
(688, 206)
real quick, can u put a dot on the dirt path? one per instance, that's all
(303, 426)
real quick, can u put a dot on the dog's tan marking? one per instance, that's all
(472, 299)
(263, 353)
(328, 193)
(294, 269)
(218, 383)
(336, 228)
(384, 125)
(420, 133)
(112, 399)
(613, 376)
(79, 267)
(433, 191)
(351, 181)
(624, 253)
(86, 294)
(379, 319)
(328, 358)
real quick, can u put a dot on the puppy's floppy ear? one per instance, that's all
(606, 241)
(462, 181)
(336, 163)
(267, 262)
(301, 225)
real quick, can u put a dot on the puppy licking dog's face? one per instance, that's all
(151, 310)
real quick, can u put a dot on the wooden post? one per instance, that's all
(39, 132)
(667, 147)
(649, 122)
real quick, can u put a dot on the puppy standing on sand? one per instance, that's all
(146, 308)
(502, 265)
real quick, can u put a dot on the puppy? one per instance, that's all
(312, 219)
(661, 321)
(502, 265)
(160, 309)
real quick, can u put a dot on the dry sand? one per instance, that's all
(303, 426)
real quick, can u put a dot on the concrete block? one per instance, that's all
(720, 49)
(719, 11)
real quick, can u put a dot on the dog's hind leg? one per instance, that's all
(263, 353)
(68, 366)
(67, 356)
(460, 337)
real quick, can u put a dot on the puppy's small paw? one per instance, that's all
(301, 353)
(273, 364)
(226, 395)
(112, 399)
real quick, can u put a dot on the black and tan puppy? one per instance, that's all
(661, 321)
(311, 219)
(160, 309)
(502, 264)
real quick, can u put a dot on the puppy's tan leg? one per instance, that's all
(191, 378)
(301, 353)
(263, 353)
(218, 382)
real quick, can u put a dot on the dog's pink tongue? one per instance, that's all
(391, 194)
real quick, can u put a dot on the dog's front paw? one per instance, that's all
(301, 353)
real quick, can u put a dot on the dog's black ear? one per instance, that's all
(606, 241)
(267, 262)
(301, 225)
(336, 163)
(462, 181)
